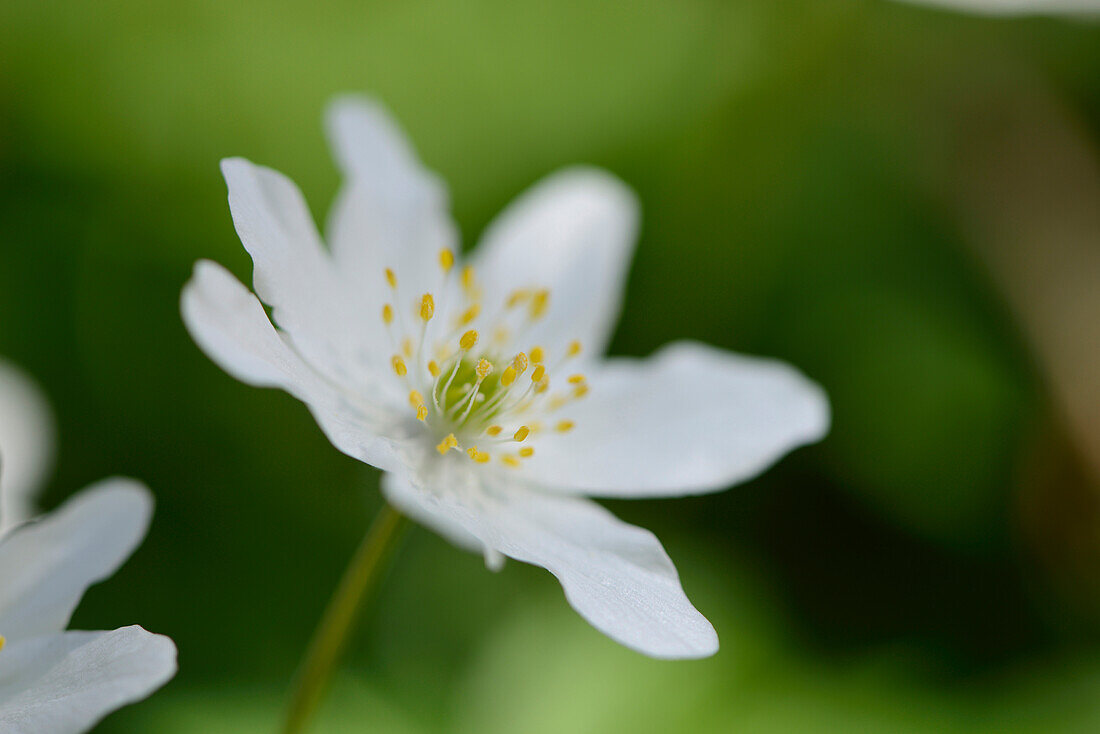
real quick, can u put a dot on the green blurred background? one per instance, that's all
(903, 202)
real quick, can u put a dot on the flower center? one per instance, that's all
(475, 397)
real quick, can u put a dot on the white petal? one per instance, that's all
(230, 325)
(65, 683)
(45, 566)
(690, 419)
(293, 273)
(574, 233)
(26, 445)
(617, 576)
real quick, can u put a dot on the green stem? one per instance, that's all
(331, 636)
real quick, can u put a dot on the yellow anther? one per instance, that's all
(468, 340)
(542, 386)
(447, 444)
(564, 426)
(470, 314)
(556, 402)
(521, 433)
(415, 398)
(446, 260)
(510, 461)
(484, 368)
(535, 427)
(2, 640)
(576, 379)
(520, 363)
(391, 278)
(494, 430)
(399, 366)
(407, 347)
(468, 278)
(580, 391)
(508, 376)
(427, 306)
(539, 303)
(481, 457)
(574, 348)
(517, 297)
(538, 374)
(538, 355)
(387, 314)
(527, 452)
(471, 452)
(433, 368)
(422, 412)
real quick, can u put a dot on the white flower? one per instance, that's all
(26, 444)
(54, 681)
(478, 387)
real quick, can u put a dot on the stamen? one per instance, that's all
(422, 412)
(468, 279)
(468, 340)
(484, 369)
(574, 348)
(520, 363)
(415, 398)
(527, 452)
(538, 355)
(539, 303)
(580, 391)
(539, 373)
(447, 444)
(391, 278)
(387, 314)
(510, 461)
(517, 297)
(564, 426)
(469, 314)
(446, 260)
(481, 457)
(494, 430)
(501, 335)
(508, 376)
(399, 366)
(407, 347)
(433, 368)
(576, 379)
(522, 433)
(427, 305)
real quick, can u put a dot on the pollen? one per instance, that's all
(538, 374)
(564, 426)
(387, 314)
(494, 430)
(517, 297)
(574, 348)
(470, 314)
(422, 412)
(446, 260)
(407, 347)
(415, 398)
(433, 368)
(391, 278)
(399, 366)
(522, 433)
(580, 390)
(542, 386)
(539, 303)
(508, 376)
(468, 278)
(481, 457)
(520, 363)
(468, 340)
(427, 306)
(510, 461)
(576, 379)
(484, 368)
(538, 355)
(527, 452)
(447, 444)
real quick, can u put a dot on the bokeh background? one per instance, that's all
(904, 202)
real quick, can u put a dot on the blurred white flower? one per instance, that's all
(53, 681)
(1083, 8)
(26, 444)
(479, 388)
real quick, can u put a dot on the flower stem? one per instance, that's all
(331, 636)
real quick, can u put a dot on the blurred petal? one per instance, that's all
(45, 566)
(1084, 8)
(294, 274)
(26, 445)
(573, 233)
(65, 683)
(230, 325)
(617, 576)
(690, 419)
(392, 212)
